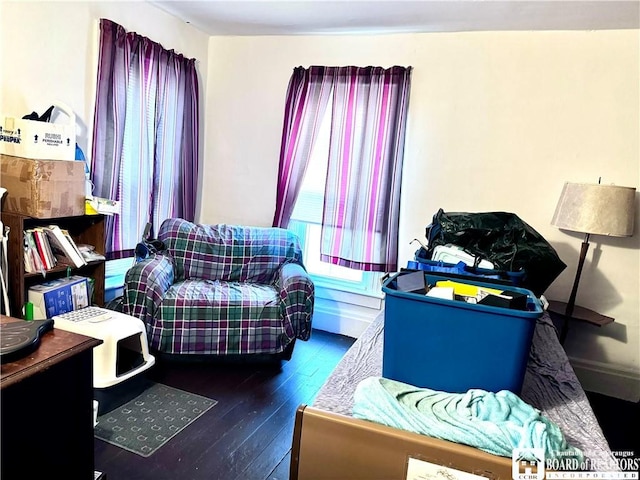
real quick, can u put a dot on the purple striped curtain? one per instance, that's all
(145, 138)
(362, 194)
(307, 99)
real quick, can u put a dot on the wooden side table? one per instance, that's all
(47, 409)
(557, 312)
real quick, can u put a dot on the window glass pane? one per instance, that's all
(310, 200)
(316, 266)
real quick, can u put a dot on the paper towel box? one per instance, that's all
(59, 296)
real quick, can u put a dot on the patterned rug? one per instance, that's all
(151, 419)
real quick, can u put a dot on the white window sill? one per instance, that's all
(368, 300)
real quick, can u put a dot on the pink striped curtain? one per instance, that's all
(362, 196)
(145, 138)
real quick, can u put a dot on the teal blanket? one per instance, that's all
(494, 422)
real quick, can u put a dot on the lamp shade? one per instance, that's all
(596, 209)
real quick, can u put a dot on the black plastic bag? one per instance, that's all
(502, 238)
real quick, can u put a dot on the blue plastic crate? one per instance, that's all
(453, 346)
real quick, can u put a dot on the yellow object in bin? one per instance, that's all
(88, 208)
(466, 290)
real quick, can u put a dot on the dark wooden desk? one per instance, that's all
(46, 409)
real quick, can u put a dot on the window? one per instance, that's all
(306, 221)
(145, 135)
(362, 165)
(331, 276)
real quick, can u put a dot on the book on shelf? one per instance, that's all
(44, 249)
(73, 246)
(32, 261)
(37, 249)
(63, 247)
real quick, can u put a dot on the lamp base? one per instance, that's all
(579, 313)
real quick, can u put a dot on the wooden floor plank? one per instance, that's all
(249, 430)
(281, 472)
(264, 448)
(245, 434)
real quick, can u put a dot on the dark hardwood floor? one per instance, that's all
(619, 420)
(248, 434)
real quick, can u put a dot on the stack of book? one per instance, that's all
(47, 247)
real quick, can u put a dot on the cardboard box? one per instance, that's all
(39, 140)
(59, 296)
(43, 188)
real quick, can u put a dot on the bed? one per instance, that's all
(550, 385)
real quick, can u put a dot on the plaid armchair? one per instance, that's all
(222, 290)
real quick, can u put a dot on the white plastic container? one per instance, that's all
(454, 254)
(124, 351)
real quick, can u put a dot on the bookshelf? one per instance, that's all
(87, 229)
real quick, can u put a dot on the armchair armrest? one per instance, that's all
(296, 299)
(145, 286)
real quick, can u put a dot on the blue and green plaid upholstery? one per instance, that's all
(222, 289)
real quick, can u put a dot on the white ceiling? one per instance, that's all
(306, 17)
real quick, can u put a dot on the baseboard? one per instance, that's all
(608, 380)
(342, 318)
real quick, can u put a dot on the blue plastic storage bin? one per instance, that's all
(453, 346)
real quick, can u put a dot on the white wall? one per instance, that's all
(497, 121)
(48, 52)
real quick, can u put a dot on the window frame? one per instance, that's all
(369, 285)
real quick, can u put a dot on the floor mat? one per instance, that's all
(151, 419)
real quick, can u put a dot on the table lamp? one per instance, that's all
(592, 209)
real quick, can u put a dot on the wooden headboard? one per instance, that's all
(332, 446)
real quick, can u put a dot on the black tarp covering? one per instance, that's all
(502, 238)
